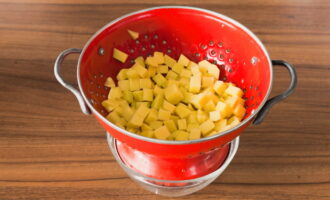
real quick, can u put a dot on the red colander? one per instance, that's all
(199, 34)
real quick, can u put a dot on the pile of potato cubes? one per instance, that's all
(159, 97)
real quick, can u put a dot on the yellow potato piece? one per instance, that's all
(119, 55)
(183, 60)
(219, 87)
(195, 133)
(182, 110)
(234, 91)
(182, 124)
(164, 114)
(173, 94)
(168, 106)
(195, 84)
(170, 124)
(182, 135)
(109, 82)
(133, 34)
(207, 127)
(162, 133)
(138, 117)
(169, 61)
(215, 115)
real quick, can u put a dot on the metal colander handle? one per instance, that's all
(57, 66)
(264, 110)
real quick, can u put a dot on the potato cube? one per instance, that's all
(132, 73)
(191, 64)
(132, 130)
(138, 117)
(143, 72)
(168, 106)
(140, 60)
(157, 90)
(152, 71)
(177, 68)
(214, 71)
(183, 60)
(127, 113)
(192, 118)
(147, 133)
(133, 34)
(164, 114)
(204, 65)
(147, 94)
(138, 103)
(151, 61)
(185, 73)
(170, 124)
(220, 125)
(234, 91)
(124, 85)
(128, 96)
(195, 133)
(219, 87)
(162, 133)
(145, 83)
(201, 99)
(201, 116)
(184, 82)
(116, 119)
(169, 61)
(207, 81)
(233, 121)
(138, 95)
(195, 70)
(122, 75)
(171, 75)
(207, 127)
(110, 104)
(159, 57)
(115, 93)
(145, 127)
(119, 55)
(209, 106)
(158, 101)
(187, 96)
(182, 110)
(152, 116)
(239, 111)
(109, 82)
(173, 94)
(162, 69)
(182, 124)
(195, 84)
(225, 109)
(192, 125)
(182, 135)
(215, 115)
(174, 118)
(232, 101)
(160, 80)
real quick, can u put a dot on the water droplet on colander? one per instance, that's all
(211, 43)
(222, 25)
(152, 46)
(227, 50)
(164, 42)
(203, 46)
(100, 51)
(231, 60)
(220, 44)
(254, 60)
(253, 111)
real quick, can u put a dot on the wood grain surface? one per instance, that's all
(50, 150)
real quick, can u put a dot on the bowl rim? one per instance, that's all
(170, 142)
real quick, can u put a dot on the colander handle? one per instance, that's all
(264, 110)
(57, 66)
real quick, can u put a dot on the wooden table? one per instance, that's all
(50, 150)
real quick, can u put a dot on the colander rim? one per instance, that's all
(170, 142)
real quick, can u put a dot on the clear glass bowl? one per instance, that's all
(172, 188)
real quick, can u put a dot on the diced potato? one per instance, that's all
(152, 61)
(109, 82)
(162, 133)
(169, 61)
(234, 91)
(171, 75)
(214, 71)
(195, 84)
(152, 71)
(174, 118)
(122, 75)
(187, 97)
(170, 124)
(207, 127)
(201, 99)
(119, 55)
(132, 130)
(173, 94)
(192, 125)
(147, 94)
(201, 116)
(162, 69)
(140, 60)
(220, 125)
(183, 60)
(133, 34)
(158, 101)
(182, 135)
(203, 65)
(191, 64)
(215, 115)
(239, 111)
(143, 72)
(138, 95)
(233, 121)
(145, 127)
(184, 82)
(164, 114)
(128, 96)
(219, 87)
(182, 124)
(160, 80)
(146, 83)
(159, 57)
(232, 101)
(195, 70)
(147, 133)
(209, 106)
(192, 118)
(152, 116)
(116, 119)
(127, 113)
(115, 93)
(182, 110)
(124, 85)
(207, 81)
(132, 73)
(139, 116)
(225, 109)
(185, 73)
(195, 133)
(177, 68)
(168, 106)
(110, 104)
(157, 90)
